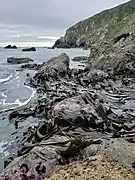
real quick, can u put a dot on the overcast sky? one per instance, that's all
(40, 22)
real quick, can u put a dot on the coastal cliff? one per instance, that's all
(82, 123)
(101, 27)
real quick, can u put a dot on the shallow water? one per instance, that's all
(13, 92)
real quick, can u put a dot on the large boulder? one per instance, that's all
(29, 49)
(10, 47)
(13, 60)
(97, 75)
(120, 151)
(56, 65)
(79, 111)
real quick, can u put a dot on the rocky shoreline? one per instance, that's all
(79, 113)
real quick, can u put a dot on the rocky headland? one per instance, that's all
(104, 26)
(82, 125)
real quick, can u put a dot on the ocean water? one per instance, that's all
(13, 92)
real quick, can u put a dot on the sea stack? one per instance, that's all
(10, 47)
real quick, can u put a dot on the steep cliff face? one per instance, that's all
(119, 56)
(106, 25)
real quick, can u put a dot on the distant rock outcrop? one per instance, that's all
(10, 47)
(101, 27)
(29, 49)
(13, 60)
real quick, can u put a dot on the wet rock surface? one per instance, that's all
(31, 66)
(80, 59)
(14, 60)
(77, 114)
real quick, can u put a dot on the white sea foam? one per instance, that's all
(2, 143)
(4, 95)
(6, 79)
(2, 149)
(17, 102)
(17, 75)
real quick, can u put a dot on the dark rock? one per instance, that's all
(50, 48)
(10, 47)
(13, 115)
(97, 75)
(14, 47)
(16, 114)
(29, 49)
(24, 168)
(55, 66)
(85, 47)
(40, 168)
(61, 43)
(121, 37)
(42, 131)
(13, 60)
(8, 161)
(80, 59)
(78, 111)
(57, 44)
(16, 124)
(31, 66)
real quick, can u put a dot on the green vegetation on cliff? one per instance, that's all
(101, 27)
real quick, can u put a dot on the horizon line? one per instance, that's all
(27, 44)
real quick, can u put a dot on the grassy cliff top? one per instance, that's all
(105, 25)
